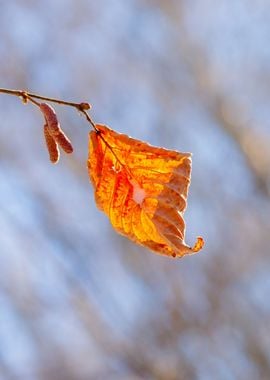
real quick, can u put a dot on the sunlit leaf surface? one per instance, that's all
(142, 189)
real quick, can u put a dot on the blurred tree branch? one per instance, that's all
(216, 101)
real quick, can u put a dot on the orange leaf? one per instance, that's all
(142, 189)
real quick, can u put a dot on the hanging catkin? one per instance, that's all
(51, 145)
(54, 128)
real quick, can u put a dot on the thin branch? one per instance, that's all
(81, 107)
(25, 96)
(213, 98)
(89, 119)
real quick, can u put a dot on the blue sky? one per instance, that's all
(174, 74)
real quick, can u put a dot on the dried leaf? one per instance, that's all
(142, 189)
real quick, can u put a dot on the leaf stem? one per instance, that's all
(90, 120)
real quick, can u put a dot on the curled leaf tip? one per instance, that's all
(198, 245)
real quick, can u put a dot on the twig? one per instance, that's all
(81, 107)
(25, 95)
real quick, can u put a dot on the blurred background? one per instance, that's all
(78, 301)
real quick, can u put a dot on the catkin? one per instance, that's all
(51, 145)
(54, 128)
(50, 117)
(63, 141)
